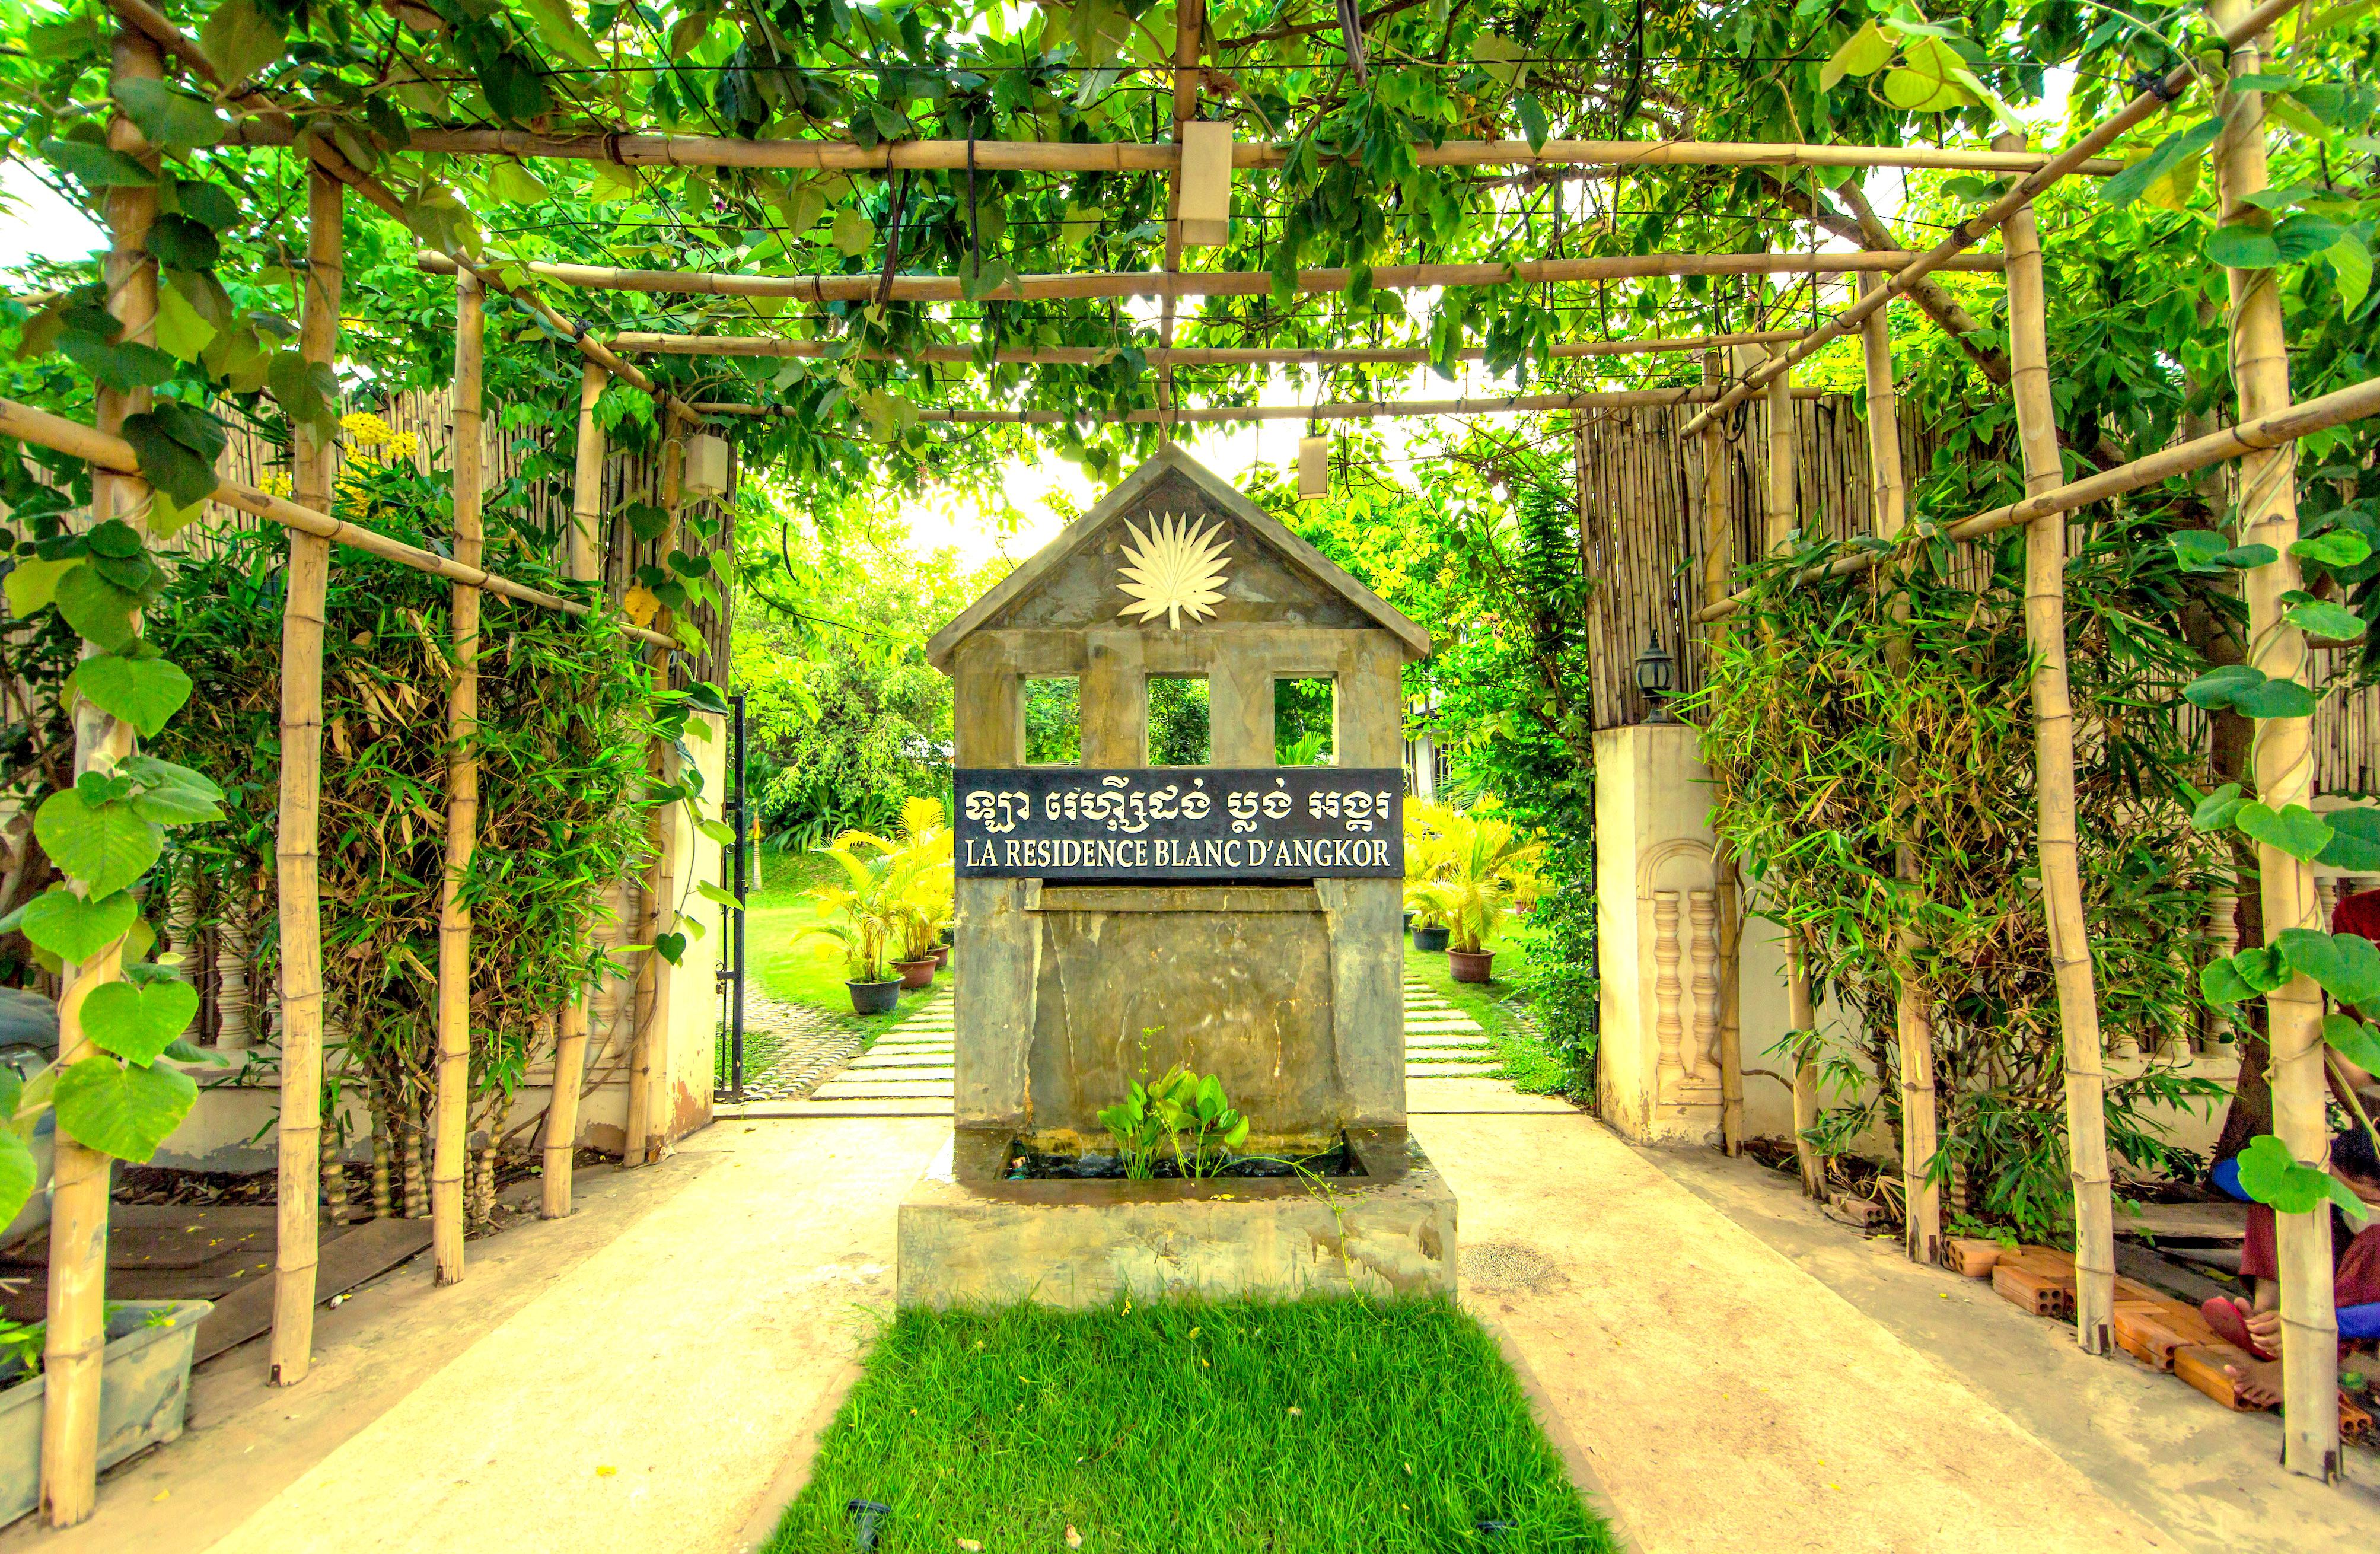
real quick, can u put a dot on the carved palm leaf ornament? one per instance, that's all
(1177, 566)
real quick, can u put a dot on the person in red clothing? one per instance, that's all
(2355, 1286)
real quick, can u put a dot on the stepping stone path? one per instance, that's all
(907, 1070)
(1442, 1042)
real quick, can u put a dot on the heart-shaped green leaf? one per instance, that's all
(2274, 1177)
(2354, 840)
(106, 846)
(2338, 547)
(145, 692)
(2263, 969)
(2356, 1041)
(75, 927)
(670, 946)
(18, 1172)
(2275, 698)
(2242, 248)
(97, 166)
(2296, 830)
(2334, 621)
(2217, 687)
(2347, 965)
(138, 1022)
(166, 116)
(2216, 811)
(2219, 983)
(122, 1109)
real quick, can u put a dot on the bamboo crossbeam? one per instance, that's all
(1162, 356)
(2267, 493)
(1974, 229)
(1219, 282)
(326, 156)
(298, 833)
(1328, 410)
(111, 454)
(75, 1336)
(2356, 402)
(1049, 156)
(450, 1136)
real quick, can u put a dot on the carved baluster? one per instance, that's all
(1668, 1029)
(233, 1030)
(2223, 934)
(1702, 907)
(182, 938)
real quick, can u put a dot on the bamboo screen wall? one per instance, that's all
(1641, 527)
(237, 1006)
(540, 502)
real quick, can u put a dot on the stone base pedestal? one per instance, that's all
(969, 1237)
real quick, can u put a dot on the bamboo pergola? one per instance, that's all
(2262, 443)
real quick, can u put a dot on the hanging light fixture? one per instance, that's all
(1657, 674)
(706, 466)
(1313, 468)
(1205, 183)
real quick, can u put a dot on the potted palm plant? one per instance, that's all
(1427, 845)
(916, 888)
(1489, 865)
(867, 912)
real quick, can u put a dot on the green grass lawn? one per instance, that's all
(1526, 1063)
(786, 959)
(1191, 1428)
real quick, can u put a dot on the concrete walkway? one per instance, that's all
(1741, 1375)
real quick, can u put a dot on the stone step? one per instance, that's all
(787, 1110)
(871, 1088)
(860, 1073)
(902, 1060)
(1457, 1071)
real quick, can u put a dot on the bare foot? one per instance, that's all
(2250, 1391)
(2231, 1322)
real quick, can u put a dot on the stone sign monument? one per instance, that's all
(1179, 841)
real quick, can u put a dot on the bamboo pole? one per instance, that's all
(1213, 282)
(1057, 156)
(2053, 723)
(1727, 876)
(570, 1037)
(634, 344)
(570, 1047)
(1912, 1009)
(112, 456)
(586, 489)
(1333, 410)
(648, 1041)
(2152, 99)
(2268, 496)
(450, 1147)
(1189, 39)
(75, 1340)
(298, 839)
(2277, 429)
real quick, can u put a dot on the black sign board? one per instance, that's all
(1288, 822)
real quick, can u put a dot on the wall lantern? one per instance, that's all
(706, 466)
(1205, 183)
(1656, 675)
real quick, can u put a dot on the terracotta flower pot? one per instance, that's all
(942, 957)
(874, 997)
(1471, 966)
(1432, 939)
(915, 974)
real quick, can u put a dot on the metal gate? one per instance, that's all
(727, 1069)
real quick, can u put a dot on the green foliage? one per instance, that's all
(1558, 971)
(1187, 1111)
(1835, 757)
(1180, 721)
(566, 714)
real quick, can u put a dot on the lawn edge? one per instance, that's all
(1592, 1491)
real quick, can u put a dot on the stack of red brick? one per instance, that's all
(2155, 1329)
